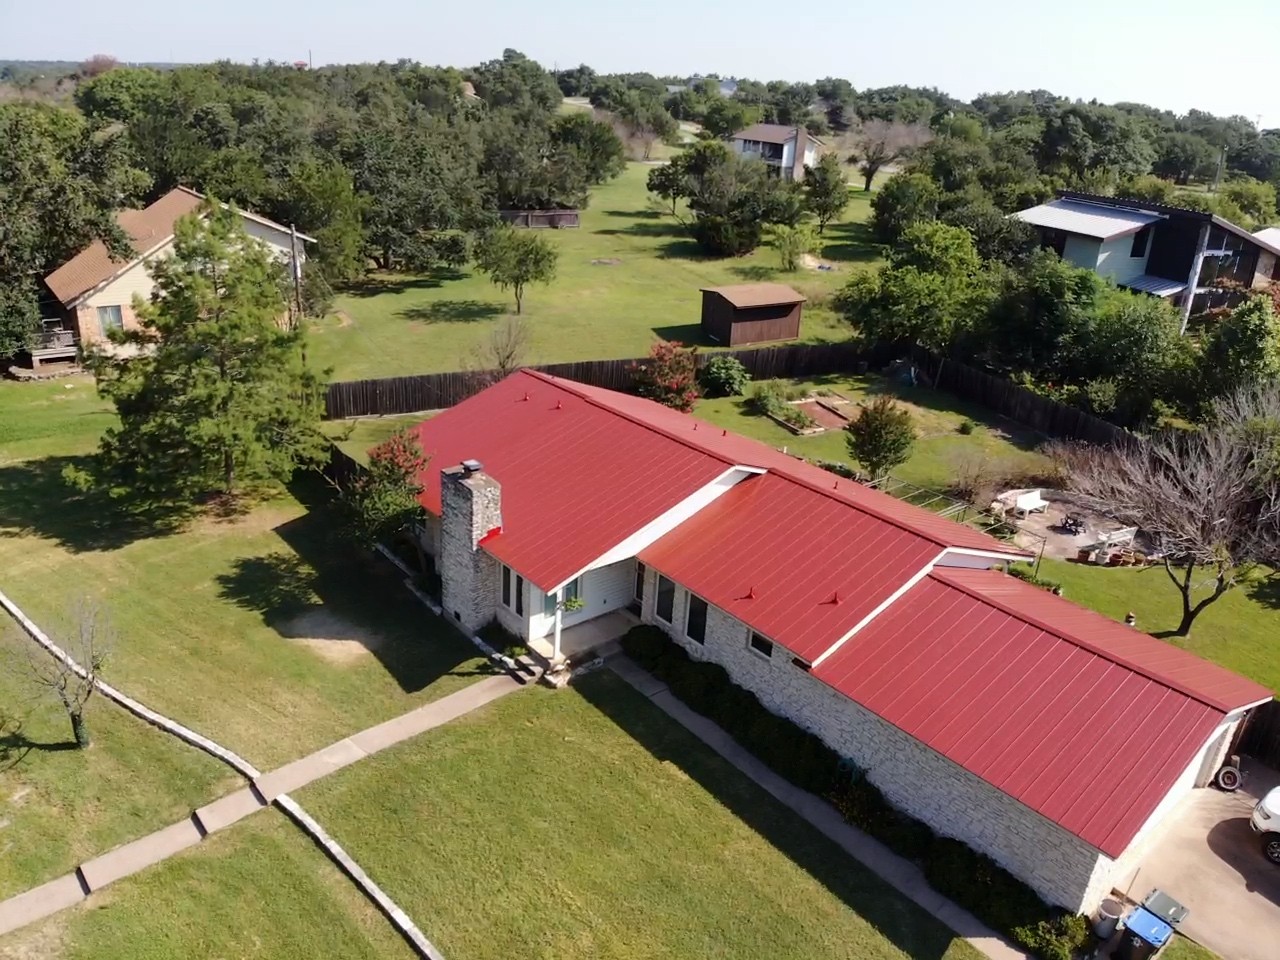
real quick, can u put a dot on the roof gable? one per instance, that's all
(1087, 219)
(745, 295)
(1088, 737)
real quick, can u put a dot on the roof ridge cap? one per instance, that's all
(800, 481)
(945, 576)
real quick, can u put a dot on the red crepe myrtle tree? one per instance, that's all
(669, 375)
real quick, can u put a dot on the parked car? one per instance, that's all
(1266, 821)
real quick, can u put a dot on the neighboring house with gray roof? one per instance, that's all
(1197, 260)
(786, 150)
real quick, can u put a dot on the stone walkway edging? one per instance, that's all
(233, 760)
(398, 918)
(897, 871)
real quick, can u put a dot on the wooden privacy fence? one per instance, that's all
(433, 391)
(540, 219)
(1260, 734)
(1044, 414)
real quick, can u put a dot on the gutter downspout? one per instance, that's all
(555, 649)
(1193, 279)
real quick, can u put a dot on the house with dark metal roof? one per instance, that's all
(1047, 736)
(785, 150)
(1198, 260)
(93, 292)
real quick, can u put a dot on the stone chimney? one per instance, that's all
(470, 510)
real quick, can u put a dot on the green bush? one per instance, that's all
(1061, 938)
(1022, 573)
(501, 639)
(767, 397)
(724, 376)
(967, 426)
(864, 806)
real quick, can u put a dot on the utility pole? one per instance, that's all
(295, 302)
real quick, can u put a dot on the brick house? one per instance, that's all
(93, 293)
(1044, 735)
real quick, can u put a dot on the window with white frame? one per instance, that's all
(760, 646)
(665, 605)
(695, 619)
(110, 318)
(512, 591)
(572, 591)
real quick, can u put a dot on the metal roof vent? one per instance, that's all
(472, 466)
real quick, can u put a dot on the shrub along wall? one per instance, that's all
(954, 869)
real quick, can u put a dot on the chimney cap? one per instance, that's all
(472, 466)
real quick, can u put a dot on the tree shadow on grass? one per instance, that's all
(685, 249)
(651, 228)
(453, 311)
(755, 272)
(850, 243)
(36, 500)
(634, 214)
(375, 285)
(320, 579)
(1265, 591)
(865, 893)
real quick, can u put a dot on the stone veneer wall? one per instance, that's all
(1059, 866)
(470, 507)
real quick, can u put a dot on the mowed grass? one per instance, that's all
(398, 325)
(260, 889)
(587, 824)
(1240, 630)
(62, 416)
(1004, 448)
(265, 631)
(60, 806)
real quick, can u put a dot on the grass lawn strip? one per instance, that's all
(261, 889)
(60, 806)
(586, 823)
(399, 325)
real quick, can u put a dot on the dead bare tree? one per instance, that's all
(1206, 499)
(874, 144)
(87, 644)
(503, 352)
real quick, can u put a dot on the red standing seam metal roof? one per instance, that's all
(583, 468)
(797, 566)
(1086, 721)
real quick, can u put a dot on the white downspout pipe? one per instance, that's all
(555, 649)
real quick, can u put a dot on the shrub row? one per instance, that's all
(971, 879)
(788, 751)
(1023, 573)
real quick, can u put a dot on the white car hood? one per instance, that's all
(1271, 803)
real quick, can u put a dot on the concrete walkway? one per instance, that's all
(93, 875)
(900, 874)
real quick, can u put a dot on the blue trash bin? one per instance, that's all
(1144, 934)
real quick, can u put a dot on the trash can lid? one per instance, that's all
(1148, 926)
(1165, 907)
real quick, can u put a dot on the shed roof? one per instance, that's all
(1156, 286)
(1087, 219)
(1084, 720)
(146, 229)
(1269, 235)
(743, 295)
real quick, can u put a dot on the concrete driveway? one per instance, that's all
(1209, 859)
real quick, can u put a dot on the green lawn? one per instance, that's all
(260, 889)
(941, 451)
(585, 823)
(50, 417)
(1239, 630)
(60, 806)
(1180, 948)
(395, 325)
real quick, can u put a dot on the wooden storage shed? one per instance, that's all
(751, 313)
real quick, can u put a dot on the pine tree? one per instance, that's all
(218, 399)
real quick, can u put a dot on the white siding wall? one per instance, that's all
(134, 281)
(1058, 865)
(604, 590)
(1114, 260)
(1081, 251)
(277, 240)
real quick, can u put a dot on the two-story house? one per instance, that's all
(92, 293)
(786, 150)
(1198, 260)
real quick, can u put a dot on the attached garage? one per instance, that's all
(751, 313)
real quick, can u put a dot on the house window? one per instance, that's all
(666, 604)
(512, 590)
(519, 595)
(110, 318)
(1140, 240)
(572, 591)
(638, 592)
(695, 620)
(506, 586)
(761, 646)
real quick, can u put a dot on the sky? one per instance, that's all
(1173, 54)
